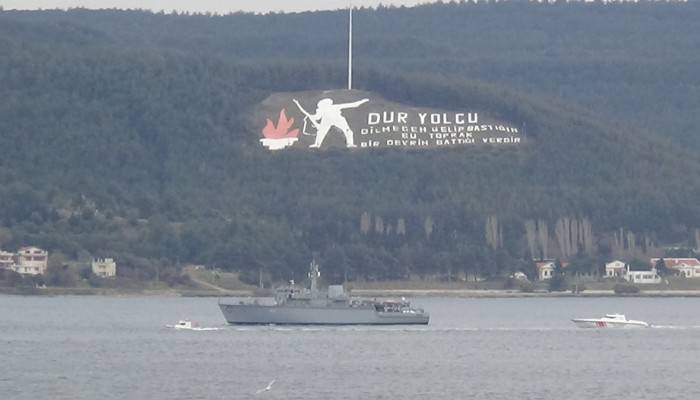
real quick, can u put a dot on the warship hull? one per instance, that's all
(250, 314)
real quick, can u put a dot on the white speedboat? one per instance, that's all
(183, 324)
(189, 325)
(609, 321)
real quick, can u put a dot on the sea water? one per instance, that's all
(515, 348)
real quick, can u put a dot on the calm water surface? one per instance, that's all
(118, 348)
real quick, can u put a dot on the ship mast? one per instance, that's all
(314, 274)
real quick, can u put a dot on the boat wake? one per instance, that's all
(677, 327)
(194, 328)
(187, 325)
(394, 329)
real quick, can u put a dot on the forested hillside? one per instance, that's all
(125, 135)
(633, 63)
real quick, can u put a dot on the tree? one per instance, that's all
(638, 265)
(581, 264)
(557, 283)
(11, 278)
(5, 237)
(62, 276)
(661, 269)
(38, 280)
(86, 272)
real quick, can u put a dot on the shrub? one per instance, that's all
(174, 277)
(625, 288)
(250, 277)
(94, 280)
(86, 272)
(10, 278)
(526, 286)
(557, 283)
(510, 283)
(578, 288)
(61, 276)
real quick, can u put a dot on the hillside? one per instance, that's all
(633, 63)
(128, 137)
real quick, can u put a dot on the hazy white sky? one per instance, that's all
(221, 6)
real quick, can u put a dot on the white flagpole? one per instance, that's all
(350, 50)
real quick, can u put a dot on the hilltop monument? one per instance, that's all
(379, 124)
(330, 115)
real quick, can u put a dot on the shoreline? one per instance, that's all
(375, 292)
(50, 292)
(486, 293)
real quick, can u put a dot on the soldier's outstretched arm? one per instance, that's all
(353, 104)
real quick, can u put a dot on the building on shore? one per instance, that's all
(104, 267)
(7, 260)
(643, 277)
(31, 261)
(615, 269)
(545, 269)
(685, 267)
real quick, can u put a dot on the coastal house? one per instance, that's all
(31, 261)
(7, 260)
(685, 267)
(104, 267)
(545, 269)
(615, 269)
(643, 277)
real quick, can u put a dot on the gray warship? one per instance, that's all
(294, 305)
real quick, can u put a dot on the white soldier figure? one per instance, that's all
(328, 115)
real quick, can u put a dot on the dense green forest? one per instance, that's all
(124, 135)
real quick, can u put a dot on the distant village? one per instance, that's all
(33, 261)
(619, 270)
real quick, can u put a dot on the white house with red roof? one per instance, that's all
(545, 269)
(686, 267)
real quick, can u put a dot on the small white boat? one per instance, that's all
(609, 321)
(189, 325)
(183, 324)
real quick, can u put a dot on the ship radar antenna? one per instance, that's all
(314, 274)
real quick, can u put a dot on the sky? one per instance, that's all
(220, 6)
